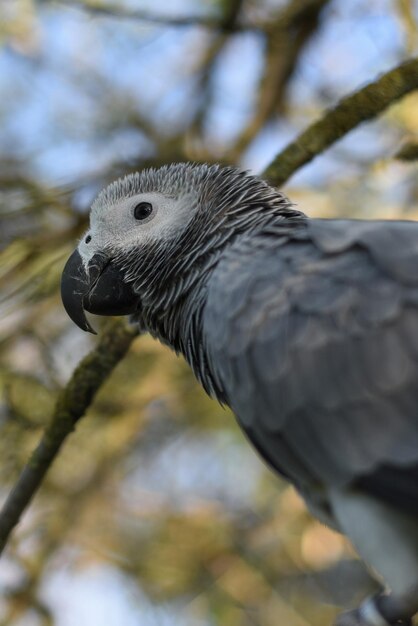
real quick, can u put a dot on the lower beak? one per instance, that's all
(100, 288)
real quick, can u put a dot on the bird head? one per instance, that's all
(152, 233)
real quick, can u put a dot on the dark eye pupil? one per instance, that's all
(142, 210)
(88, 239)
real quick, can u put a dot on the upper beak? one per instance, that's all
(99, 288)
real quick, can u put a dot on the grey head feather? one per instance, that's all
(224, 203)
(172, 180)
(170, 275)
(216, 189)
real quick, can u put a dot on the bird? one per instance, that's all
(306, 328)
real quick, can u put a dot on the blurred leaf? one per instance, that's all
(29, 399)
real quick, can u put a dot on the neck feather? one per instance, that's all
(172, 279)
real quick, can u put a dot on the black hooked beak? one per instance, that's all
(99, 288)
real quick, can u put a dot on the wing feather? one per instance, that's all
(315, 341)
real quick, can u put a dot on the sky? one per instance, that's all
(56, 122)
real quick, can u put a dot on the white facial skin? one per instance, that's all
(116, 227)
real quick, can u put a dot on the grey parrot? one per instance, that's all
(306, 328)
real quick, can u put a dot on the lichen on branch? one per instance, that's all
(72, 404)
(362, 105)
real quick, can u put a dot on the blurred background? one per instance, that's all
(158, 512)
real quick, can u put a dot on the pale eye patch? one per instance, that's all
(119, 224)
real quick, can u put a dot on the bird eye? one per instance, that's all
(142, 210)
(88, 239)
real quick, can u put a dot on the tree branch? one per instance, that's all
(72, 403)
(351, 111)
(286, 37)
(408, 152)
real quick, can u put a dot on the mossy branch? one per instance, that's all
(351, 111)
(71, 405)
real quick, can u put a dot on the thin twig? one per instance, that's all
(351, 111)
(71, 405)
(120, 12)
(211, 54)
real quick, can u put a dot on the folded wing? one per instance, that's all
(312, 330)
